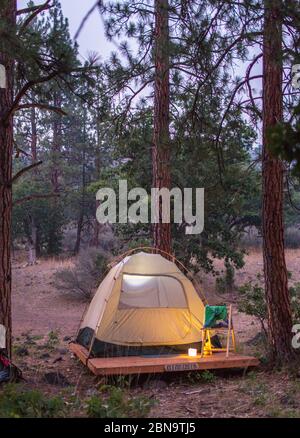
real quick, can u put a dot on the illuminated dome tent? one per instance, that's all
(145, 305)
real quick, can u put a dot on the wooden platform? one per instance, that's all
(160, 364)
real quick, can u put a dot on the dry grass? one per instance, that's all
(39, 308)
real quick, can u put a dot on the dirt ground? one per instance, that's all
(45, 320)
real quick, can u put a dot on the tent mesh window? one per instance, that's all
(146, 291)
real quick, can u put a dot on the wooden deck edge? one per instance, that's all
(79, 351)
(105, 366)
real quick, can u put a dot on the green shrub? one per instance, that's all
(260, 400)
(18, 403)
(81, 279)
(252, 301)
(205, 376)
(53, 340)
(208, 376)
(117, 405)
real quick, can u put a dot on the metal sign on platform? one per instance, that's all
(182, 367)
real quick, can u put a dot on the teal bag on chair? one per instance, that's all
(215, 316)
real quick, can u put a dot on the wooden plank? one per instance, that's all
(79, 351)
(160, 364)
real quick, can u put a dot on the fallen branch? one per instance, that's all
(197, 391)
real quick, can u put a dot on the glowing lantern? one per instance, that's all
(192, 352)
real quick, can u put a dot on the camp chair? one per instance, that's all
(217, 320)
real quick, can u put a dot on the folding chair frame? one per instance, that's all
(206, 337)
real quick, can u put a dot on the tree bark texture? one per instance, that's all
(7, 14)
(275, 271)
(56, 146)
(161, 119)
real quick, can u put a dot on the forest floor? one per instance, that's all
(45, 320)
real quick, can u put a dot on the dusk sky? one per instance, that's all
(92, 37)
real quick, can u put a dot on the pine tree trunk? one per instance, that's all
(33, 138)
(8, 13)
(96, 225)
(55, 173)
(32, 244)
(161, 122)
(275, 271)
(56, 146)
(78, 234)
(83, 191)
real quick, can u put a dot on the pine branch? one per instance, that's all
(40, 106)
(21, 151)
(36, 196)
(36, 11)
(121, 117)
(86, 17)
(238, 86)
(27, 87)
(30, 9)
(30, 84)
(248, 72)
(26, 169)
